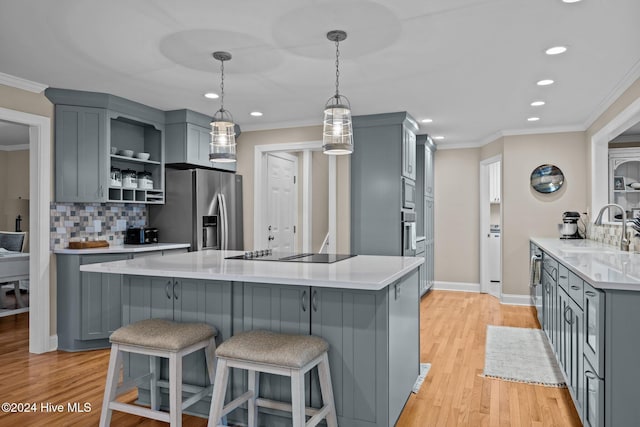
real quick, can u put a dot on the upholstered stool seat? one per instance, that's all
(158, 338)
(280, 354)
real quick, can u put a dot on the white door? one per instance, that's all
(281, 215)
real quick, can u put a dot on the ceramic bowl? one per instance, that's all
(114, 150)
(143, 156)
(126, 153)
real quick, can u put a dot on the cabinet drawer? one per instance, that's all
(550, 265)
(576, 288)
(563, 277)
(593, 305)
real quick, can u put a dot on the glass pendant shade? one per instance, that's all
(223, 141)
(337, 133)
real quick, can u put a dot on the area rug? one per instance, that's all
(521, 355)
(424, 370)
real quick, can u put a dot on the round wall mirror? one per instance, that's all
(547, 179)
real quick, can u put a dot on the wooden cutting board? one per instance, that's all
(89, 245)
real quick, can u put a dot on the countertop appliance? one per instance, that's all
(268, 255)
(203, 207)
(141, 235)
(569, 227)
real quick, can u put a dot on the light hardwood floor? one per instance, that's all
(453, 328)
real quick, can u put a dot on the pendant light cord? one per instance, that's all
(337, 68)
(222, 86)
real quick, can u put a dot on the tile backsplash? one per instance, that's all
(609, 234)
(93, 221)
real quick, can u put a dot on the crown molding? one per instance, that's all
(281, 125)
(550, 129)
(632, 75)
(20, 83)
(17, 147)
(456, 145)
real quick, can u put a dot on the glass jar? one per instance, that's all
(116, 177)
(145, 181)
(129, 179)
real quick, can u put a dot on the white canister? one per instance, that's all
(129, 179)
(145, 182)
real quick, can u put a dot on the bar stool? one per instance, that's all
(280, 354)
(158, 338)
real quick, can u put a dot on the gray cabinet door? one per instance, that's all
(575, 373)
(408, 153)
(428, 172)
(404, 348)
(594, 315)
(562, 344)
(81, 154)
(355, 325)
(593, 397)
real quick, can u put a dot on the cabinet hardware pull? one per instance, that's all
(590, 293)
(166, 289)
(590, 375)
(575, 288)
(570, 320)
(304, 301)
(563, 277)
(175, 285)
(314, 300)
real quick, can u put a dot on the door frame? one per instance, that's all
(485, 214)
(265, 170)
(306, 147)
(40, 340)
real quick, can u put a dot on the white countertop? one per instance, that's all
(603, 266)
(365, 272)
(124, 249)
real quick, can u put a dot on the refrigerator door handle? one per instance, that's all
(224, 222)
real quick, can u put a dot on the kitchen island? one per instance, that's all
(366, 307)
(590, 295)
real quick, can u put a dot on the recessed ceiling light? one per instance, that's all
(256, 114)
(426, 120)
(211, 95)
(439, 137)
(533, 119)
(537, 103)
(556, 50)
(545, 82)
(571, 1)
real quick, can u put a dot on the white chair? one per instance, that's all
(14, 242)
(280, 354)
(158, 338)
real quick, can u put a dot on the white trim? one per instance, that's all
(456, 286)
(509, 132)
(614, 95)
(485, 215)
(513, 299)
(282, 125)
(20, 83)
(600, 153)
(626, 138)
(332, 244)
(307, 202)
(16, 147)
(53, 342)
(40, 199)
(456, 145)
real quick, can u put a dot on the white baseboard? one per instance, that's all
(53, 342)
(457, 286)
(513, 299)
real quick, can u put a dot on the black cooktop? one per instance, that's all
(291, 257)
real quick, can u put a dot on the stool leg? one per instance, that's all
(175, 389)
(297, 399)
(115, 361)
(327, 390)
(254, 387)
(219, 391)
(209, 356)
(154, 368)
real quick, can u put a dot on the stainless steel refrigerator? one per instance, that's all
(202, 207)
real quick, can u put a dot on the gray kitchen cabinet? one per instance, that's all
(88, 304)
(425, 183)
(377, 165)
(87, 126)
(593, 305)
(182, 300)
(80, 154)
(408, 153)
(429, 180)
(594, 408)
(562, 346)
(574, 372)
(188, 138)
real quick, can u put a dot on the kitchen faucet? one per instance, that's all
(624, 242)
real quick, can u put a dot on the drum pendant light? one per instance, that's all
(337, 133)
(223, 135)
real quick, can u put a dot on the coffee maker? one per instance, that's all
(569, 227)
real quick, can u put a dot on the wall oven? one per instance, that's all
(408, 194)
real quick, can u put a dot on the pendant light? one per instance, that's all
(337, 133)
(223, 135)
